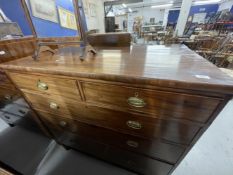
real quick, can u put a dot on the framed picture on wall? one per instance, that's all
(92, 9)
(67, 18)
(44, 9)
(199, 18)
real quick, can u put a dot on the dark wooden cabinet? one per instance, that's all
(142, 108)
(12, 105)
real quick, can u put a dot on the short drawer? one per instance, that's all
(174, 131)
(159, 103)
(155, 149)
(54, 104)
(47, 84)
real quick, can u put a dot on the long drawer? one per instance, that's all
(131, 161)
(158, 103)
(62, 127)
(174, 131)
(45, 84)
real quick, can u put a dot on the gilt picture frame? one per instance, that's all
(67, 18)
(44, 9)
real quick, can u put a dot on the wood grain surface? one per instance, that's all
(174, 131)
(160, 103)
(96, 101)
(17, 48)
(173, 66)
(156, 149)
(57, 86)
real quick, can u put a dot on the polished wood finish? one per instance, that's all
(153, 148)
(17, 48)
(132, 161)
(57, 86)
(109, 39)
(172, 66)
(150, 127)
(117, 155)
(14, 49)
(161, 104)
(160, 97)
(54, 39)
(7, 95)
(5, 83)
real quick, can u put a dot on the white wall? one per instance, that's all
(95, 22)
(225, 5)
(119, 20)
(146, 13)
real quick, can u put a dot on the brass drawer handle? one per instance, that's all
(53, 105)
(42, 86)
(62, 123)
(132, 144)
(134, 124)
(136, 102)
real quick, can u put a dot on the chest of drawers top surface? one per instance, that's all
(173, 66)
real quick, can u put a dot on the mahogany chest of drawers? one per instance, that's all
(12, 106)
(142, 108)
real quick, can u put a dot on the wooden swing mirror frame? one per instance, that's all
(52, 43)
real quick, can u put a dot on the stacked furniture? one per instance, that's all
(12, 105)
